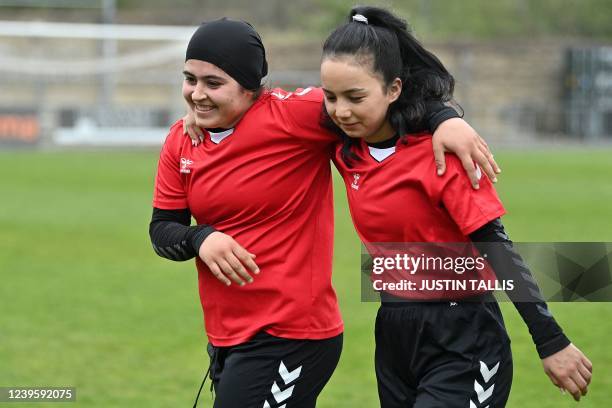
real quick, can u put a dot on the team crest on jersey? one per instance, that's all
(185, 165)
(355, 183)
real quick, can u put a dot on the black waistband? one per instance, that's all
(389, 300)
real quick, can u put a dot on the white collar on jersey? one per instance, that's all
(217, 137)
(381, 154)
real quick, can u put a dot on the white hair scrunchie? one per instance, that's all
(360, 18)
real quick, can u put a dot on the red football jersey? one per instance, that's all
(268, 185)
(395, 196)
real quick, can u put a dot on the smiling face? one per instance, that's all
(217, 100)
(357, 99)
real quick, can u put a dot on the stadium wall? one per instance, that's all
(511, 92)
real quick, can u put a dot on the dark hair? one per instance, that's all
(386, 43)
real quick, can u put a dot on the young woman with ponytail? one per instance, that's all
(434, 348)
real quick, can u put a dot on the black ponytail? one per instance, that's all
(386, 42)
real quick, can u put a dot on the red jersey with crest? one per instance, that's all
(395, 196)
(268, 185)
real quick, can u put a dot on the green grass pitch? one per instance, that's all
(127, 330)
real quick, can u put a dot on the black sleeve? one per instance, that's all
(173, 237)
(438, 112)
(508, 264)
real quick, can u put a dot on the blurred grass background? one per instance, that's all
(85, 302)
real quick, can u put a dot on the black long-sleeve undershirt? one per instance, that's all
(438, 112)
(492, 239)
(547, 335)
(173, 237)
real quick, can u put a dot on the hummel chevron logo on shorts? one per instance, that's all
(482, 393)
(486, 373)
(282, 395)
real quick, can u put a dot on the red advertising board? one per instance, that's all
(19, 127)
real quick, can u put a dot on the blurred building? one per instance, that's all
(86, 83)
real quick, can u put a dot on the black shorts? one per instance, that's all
(442, 355)
(272, 372)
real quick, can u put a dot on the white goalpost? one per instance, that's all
(96, 84)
